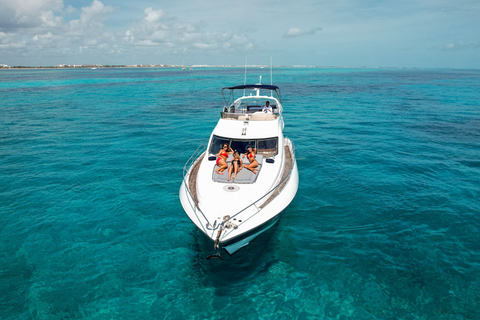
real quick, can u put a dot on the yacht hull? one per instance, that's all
(233, 210)
(241, 241)
(244, 236)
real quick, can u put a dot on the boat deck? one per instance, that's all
(192, 181)
(286, 170)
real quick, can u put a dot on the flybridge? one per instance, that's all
(251, 106)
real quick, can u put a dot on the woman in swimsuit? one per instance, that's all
(222, 158)
(236, 166)
(251, 157)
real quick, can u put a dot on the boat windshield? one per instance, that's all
(267, 147)
(252, 105)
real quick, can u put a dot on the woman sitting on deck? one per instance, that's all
(236, 166)
(251, 157)
(222, 158)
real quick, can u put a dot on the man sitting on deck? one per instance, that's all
(267, 108)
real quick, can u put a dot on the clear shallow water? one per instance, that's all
(385, 224)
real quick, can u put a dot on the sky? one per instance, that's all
(342, 33)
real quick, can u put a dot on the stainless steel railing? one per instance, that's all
(190, 162)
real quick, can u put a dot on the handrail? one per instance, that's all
(200, 149)
(275, 188)
(196, 154)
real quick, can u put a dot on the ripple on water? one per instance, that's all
(385, 223)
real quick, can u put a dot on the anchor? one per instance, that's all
(216, 247)
(217, 255)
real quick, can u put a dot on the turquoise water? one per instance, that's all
(385, 224)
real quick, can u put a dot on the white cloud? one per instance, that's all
(129, 37)
(293, 32)
(8, 41)
(27, 13)
(47, 34)
(152, 16)
(91, 18)
(460, 45)
(91, 42)
(296, 32)
(70, 10)
(48, 19)
(147, 43)
(32, 7)
(42, 37)
(158, 28)
(204, 45)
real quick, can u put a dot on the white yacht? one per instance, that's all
(233, 212)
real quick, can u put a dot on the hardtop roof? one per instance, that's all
(253, 86)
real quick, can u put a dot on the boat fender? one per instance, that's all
(270, 160)
(212, 158)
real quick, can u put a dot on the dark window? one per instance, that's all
(267, 147)
(241, 145)
(217, 143)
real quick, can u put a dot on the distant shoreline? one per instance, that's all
(192, 67)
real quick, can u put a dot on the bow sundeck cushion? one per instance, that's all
(244, 176)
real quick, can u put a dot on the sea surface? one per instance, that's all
(385, 224)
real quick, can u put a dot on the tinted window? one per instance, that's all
(267, 147)
(217, 143)
(241, 145)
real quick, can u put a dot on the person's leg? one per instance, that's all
(235, 169)
(249, 167)
(222, 165)
(253, 167)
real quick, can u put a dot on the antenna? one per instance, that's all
(271, 76)
(245, 77)
(271, 72)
